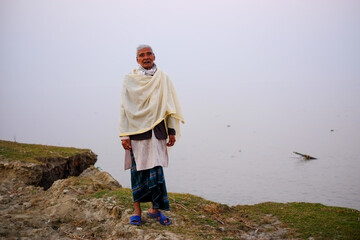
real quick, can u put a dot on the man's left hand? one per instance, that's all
(172, 141)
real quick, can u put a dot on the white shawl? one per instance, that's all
(146, 101)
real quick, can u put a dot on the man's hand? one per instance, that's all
(172, 140)
(126, 144)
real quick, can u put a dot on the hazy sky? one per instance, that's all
(265, 64)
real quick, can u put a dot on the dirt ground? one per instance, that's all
(29, 212)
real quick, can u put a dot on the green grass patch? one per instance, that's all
(122, 195)
(199, 218)
(13, 151)
(315, 220)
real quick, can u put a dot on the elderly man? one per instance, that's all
(149, 120)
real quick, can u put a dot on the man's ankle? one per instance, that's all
(153, 211)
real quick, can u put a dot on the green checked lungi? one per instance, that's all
(149, 186)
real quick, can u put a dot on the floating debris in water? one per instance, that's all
(307, 157)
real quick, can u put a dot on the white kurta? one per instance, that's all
(148, 153)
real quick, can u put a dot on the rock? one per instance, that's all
(50, 169)
(26, 205)
(58, 168)
(4, 199)
(100, 177)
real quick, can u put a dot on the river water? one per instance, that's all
(237, 143)
(235, 161)
(235, 151)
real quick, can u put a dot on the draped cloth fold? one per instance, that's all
(146, 101)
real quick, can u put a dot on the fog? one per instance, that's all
(267, 77)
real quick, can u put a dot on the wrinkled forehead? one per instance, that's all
(144, 51)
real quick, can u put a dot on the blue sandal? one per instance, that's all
(161, 218)
(135, 220)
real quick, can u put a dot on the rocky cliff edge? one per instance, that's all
(58, 194)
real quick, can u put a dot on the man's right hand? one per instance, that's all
(126, 144)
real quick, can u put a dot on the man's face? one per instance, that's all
(145, 58)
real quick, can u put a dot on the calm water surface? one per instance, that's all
(248, 163)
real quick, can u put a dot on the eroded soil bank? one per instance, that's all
(56, 193)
